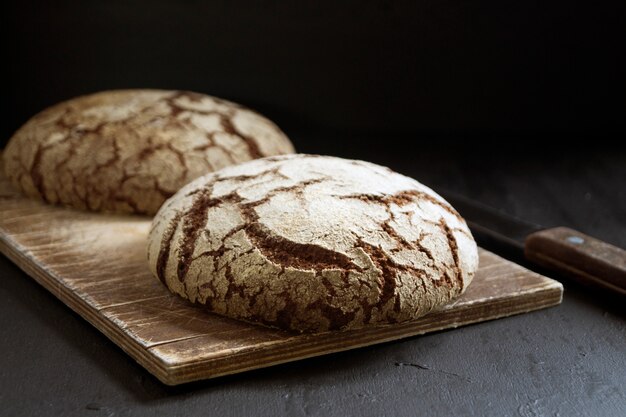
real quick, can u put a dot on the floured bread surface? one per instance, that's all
(129, 150)
(312, 243)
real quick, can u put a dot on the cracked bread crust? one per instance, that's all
(127, 151)
(312, 243)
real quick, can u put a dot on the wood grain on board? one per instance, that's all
(96, 264)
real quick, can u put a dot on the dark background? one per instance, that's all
(408, 71)
(518, 104)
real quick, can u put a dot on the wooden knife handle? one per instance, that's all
(581, 257)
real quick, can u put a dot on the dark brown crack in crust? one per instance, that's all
(311, 243)
(128, 151)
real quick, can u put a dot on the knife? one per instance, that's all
(569, 252)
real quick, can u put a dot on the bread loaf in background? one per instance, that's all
(312, 243)
(127, 151)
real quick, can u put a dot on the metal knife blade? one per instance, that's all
(491, 228)
(569, 252)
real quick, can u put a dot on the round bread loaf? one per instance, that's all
(312, 243)
(129, 150)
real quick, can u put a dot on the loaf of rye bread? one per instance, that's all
(312, 243)
(129, 150)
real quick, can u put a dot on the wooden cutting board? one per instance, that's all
(96, 264)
